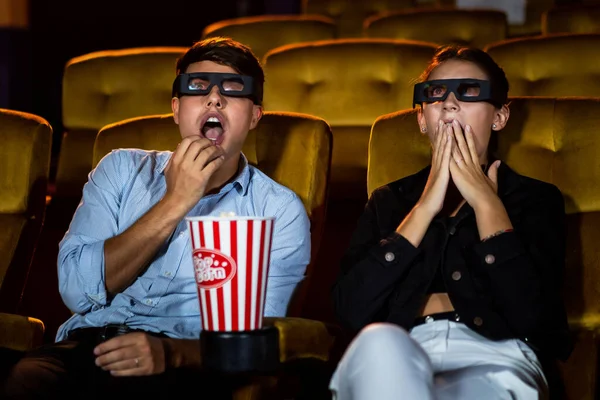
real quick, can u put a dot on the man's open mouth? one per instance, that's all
(212, 129)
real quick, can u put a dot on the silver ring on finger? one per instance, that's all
(137, 362)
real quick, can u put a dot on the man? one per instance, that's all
(125, 265)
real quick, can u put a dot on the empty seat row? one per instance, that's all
(473, 27)
(348, 82)
(349, 15)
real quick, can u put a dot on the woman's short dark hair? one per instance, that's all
(494, 72)
(225, 51)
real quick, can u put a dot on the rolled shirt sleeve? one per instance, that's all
(81, 251)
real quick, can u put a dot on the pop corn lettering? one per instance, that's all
(205, 272)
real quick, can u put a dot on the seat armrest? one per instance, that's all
(21, 333)
(301, 338)
(579, 374)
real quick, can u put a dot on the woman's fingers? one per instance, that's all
(464, 155)
(448, 144)
(456, 155)
(471, 144)
(439, 141)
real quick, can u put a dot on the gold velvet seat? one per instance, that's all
(350, 14)
(552, 65)
(533, 15)
(104, 87)
(349, 83)
(551, 139)
(266, 32)
(24, 167)
(440, 25)
(572, 19)
(294, 150)
(534, 9)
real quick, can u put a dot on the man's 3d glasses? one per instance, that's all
(201, 83)
(470, 90)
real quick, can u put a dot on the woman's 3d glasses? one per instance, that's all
(201, 83)
(464, 89)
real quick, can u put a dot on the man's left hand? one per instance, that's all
(132, 354)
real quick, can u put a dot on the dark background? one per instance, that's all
(32, 60)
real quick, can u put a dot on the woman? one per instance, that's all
(452, 276)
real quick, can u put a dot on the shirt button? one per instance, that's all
(181, 233)
(389, 257)
(490, 259)
(149, 302)
(456, 275)
(167, 273)
(478, 321)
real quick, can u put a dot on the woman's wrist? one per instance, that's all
(492, 218)
(489, 203)
(497, 233)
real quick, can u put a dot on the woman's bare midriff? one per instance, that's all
(437, 303)
(440, 302)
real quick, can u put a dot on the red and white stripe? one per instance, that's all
(239, 304)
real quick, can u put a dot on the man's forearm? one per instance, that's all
(127, 254)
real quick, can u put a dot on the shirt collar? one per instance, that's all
(241, 181)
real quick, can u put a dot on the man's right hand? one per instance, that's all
(188, 174)
(189, 170)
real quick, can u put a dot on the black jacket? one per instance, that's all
(505, 287)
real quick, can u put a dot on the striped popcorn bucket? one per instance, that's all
(231, 264)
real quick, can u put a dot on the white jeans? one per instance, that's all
(438, 360)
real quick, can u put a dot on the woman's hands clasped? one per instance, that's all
(474, 185)
(434, 193)
(454, 155)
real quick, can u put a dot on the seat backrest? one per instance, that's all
(350, 14)
(440, 25)
(549, 139)
(533, 10)
(396, 148)
(24, 167)
(104, 87)
(266, 32)
(553, 65)
(572, 19)
(533, 17)
(348, 83)
(292, 149)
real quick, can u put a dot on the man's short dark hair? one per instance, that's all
(226, 51)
